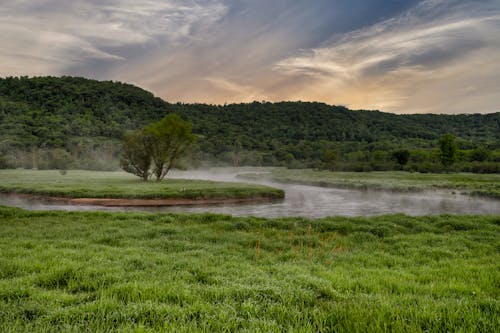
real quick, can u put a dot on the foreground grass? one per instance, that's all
(98, 272)
(476, 184)
(94, 184)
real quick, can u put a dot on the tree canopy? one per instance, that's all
(402, 156)
(170, 137)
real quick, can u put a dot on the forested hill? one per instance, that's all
(48, 110)
(66, 112)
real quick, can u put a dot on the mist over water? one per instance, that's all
(303, 200)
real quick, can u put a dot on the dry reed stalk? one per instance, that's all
(258, 248)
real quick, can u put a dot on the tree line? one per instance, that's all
(80, 123)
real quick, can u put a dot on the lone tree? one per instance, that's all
(401, 156)
(170, 138)
(155, 149)
(448, 149)
(136, 155)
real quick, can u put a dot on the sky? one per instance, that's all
(400, 56)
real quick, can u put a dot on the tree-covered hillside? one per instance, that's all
(46, 120)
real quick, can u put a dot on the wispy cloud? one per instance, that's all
(388, 64)
(53, 35)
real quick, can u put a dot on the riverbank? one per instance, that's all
(487, 185)
(162, 272)
(123, 202)
(118, 188)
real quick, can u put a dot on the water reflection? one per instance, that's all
(307, 201)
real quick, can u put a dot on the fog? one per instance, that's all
(302, 200)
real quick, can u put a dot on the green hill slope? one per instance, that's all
(81, 119)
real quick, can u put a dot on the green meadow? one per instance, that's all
(476, 184)
(139, 272)
(100, 184)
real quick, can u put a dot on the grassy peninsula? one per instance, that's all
(101, 184)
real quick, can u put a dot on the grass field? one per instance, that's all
(94, 184)
(476, 184)
(104, 272)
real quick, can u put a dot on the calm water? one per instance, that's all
(307, 201)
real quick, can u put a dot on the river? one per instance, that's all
(303, 200)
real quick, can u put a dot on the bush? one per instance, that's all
(4, 164)
(481, 167)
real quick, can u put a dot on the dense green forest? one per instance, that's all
(61, 122)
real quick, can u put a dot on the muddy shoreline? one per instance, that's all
(130, 202)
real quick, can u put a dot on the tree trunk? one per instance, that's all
(33, 150)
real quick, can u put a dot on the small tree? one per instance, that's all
(447, 149)
(136, 154)
(59, 159)
(401, 156)
(170, 138)
(329, 159)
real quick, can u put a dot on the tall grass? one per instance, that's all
(105, 272)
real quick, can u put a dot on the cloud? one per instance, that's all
(236, 51)
(392, 55)
(51, 36)
(388, 65)
(235, 91)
